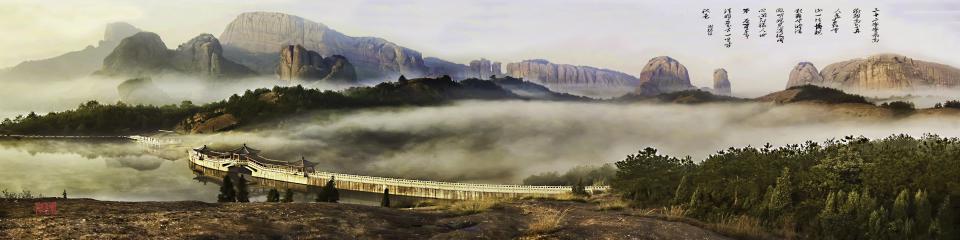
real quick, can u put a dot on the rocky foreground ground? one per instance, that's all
(521, 219)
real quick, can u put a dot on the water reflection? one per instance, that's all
(105, 170)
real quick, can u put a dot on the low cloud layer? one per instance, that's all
(506, 141)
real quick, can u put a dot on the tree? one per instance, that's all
(273, 195)
(328, 193)
(923, 213)
(945, 222)
(243, 194)
(287, 196)
(901, 222)
(385, 202)
(681, 193)
(579, 189)
(227, 194)
(782, 197)
(333, 195)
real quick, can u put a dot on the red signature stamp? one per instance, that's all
(45, 208)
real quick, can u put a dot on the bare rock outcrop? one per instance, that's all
(564, 75)
(145, 54)
(663, 75)
(299, 64)
(256, 34)
(721, 82)
(483, 69)
(889, 72)
(804, 73)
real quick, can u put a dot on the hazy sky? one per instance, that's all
(620, 35)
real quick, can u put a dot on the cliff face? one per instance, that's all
(74, 64)
(721, 82)
(439, 67)
(256, 33)
(550, 74)
(663, 75)
(890, 72)
(804, 73)
(145, 54)
(483, 69)
(299, 64)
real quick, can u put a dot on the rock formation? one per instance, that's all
(662, 75)
(74, 64)
(721, 83)
(566, 77)
(889, 72)
(145, 54)
(299, 64)
(483, 69)
(804, 73)
(256, 34)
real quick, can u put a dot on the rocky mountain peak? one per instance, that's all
(889, 72)
(263, 33)
(721, 82)
(145, 54)
(804, 73)
(299, 64)
(663, 74)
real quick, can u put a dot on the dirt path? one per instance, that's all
(527, 219)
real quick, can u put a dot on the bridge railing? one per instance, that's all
(397, 182)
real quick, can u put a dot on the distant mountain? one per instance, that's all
(721, 82)
(254, 36)
(878, 73)
(74, 64)
(578, 79)
(663, 74)
(439, 67)
(145, 54)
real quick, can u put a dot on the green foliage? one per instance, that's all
(227, 193)
(949, 104)
(899, 107)
(852, 188)
(253, 106)
(825, 94)
(649, 178)
(287, 196)
(243, 192)
(273, 195)
(579, 189)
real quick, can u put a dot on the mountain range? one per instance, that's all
(260, 43)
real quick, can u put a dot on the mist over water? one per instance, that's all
(505, 141)
(470, 141)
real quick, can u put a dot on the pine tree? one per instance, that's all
(782, 197)
(243, 194)
(273, 195)
(946, 221)
(322, 195)
(333, 195)
(681, 192)
(923, 213)
(227, 194)
(579, 189)
(288, 196)
(385, 202)
(901, 222)
(878, 225)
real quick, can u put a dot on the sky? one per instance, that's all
(613, 34)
